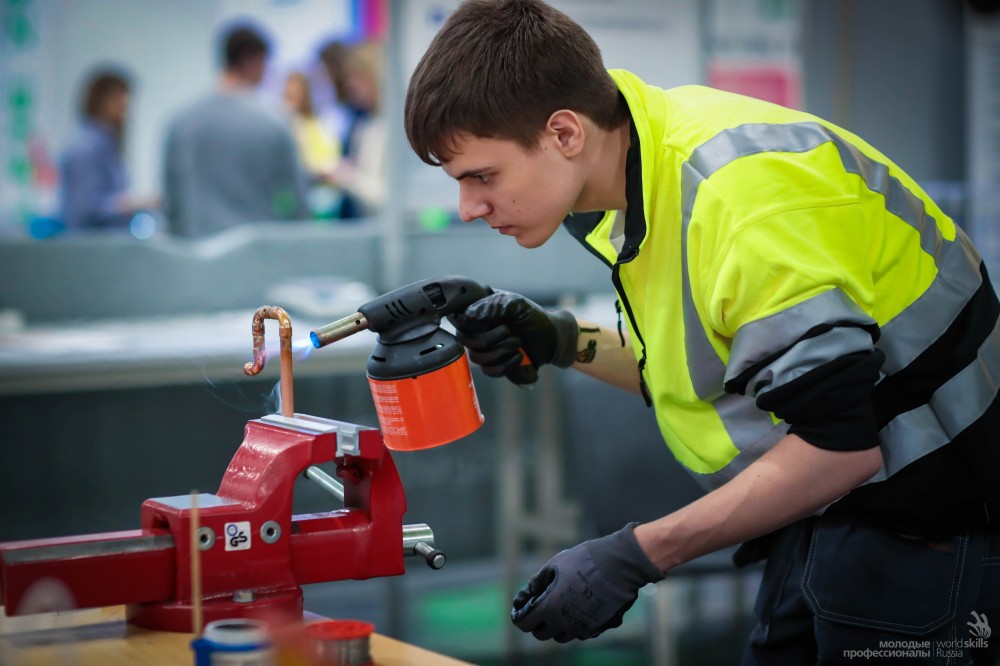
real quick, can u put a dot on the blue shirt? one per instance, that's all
(92, 177)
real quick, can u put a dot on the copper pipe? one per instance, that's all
(260, 352)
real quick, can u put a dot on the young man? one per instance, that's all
(817, 337)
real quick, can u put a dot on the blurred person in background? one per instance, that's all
(357, 75)
(93, 180)
(344, 115)
(227, 160)
(319, 150)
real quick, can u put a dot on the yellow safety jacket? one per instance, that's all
(761, 244)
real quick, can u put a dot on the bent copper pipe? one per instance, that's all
(260, 352)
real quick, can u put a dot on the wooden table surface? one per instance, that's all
(101, 637)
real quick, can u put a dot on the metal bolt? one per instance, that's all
(270, 531)
(205, 537)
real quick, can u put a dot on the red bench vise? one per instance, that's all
(252, 552)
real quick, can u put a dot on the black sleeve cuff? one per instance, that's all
(831, 406)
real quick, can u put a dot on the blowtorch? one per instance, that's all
(418, 372)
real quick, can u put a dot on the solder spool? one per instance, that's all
(341, 642)
(240, 641)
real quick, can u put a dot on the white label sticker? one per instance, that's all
(238, 535)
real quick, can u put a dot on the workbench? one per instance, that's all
(159, 351)
(100, 637)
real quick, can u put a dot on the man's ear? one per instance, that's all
(566, 129)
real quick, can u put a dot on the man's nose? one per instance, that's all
(471, 208)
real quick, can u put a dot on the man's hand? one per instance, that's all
(584, 591)
(501, 328)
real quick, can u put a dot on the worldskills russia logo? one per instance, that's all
(980, 628)
(979, 632)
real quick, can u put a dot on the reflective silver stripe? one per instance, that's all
(751, 428)
(961, 400)
(808, 355)
(751, 139)
(958, 403)
(958, 277)
(706, 368)
(906, 438)
(934, 311)
(757, 340)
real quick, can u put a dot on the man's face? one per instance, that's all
(252, 69)
(524, 194)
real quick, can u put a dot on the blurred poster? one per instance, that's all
(772, 83)
(753, 48)
(27, 177)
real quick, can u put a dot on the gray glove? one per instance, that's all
(584, 591)
(501, 328)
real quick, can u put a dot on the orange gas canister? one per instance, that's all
(418, 372)
(423, 391)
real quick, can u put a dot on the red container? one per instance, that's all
(341, 642)
(427, 410)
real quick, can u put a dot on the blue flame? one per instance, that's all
(302, 349)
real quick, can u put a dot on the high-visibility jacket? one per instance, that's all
(763, 250)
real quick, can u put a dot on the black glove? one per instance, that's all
(584, 591)
(500, 328)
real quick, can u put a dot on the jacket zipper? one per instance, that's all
(616, 280)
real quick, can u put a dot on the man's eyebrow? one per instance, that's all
(471, 172)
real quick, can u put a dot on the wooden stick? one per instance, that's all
(195, 568)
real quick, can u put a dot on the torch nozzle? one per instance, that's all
(338, 330)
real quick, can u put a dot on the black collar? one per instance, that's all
(635, 216)
(581, 224)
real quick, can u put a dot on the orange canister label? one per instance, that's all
(429, 410)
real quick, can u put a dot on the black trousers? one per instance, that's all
(840, 592)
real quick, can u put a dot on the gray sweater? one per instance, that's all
(227, 162)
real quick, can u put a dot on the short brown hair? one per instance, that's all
(499, 69)
(241, 43)
(101, 85)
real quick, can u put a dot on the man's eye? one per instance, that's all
(483, 178)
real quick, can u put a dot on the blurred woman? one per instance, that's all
(361, 174)
(318, 149)
(93, 181)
